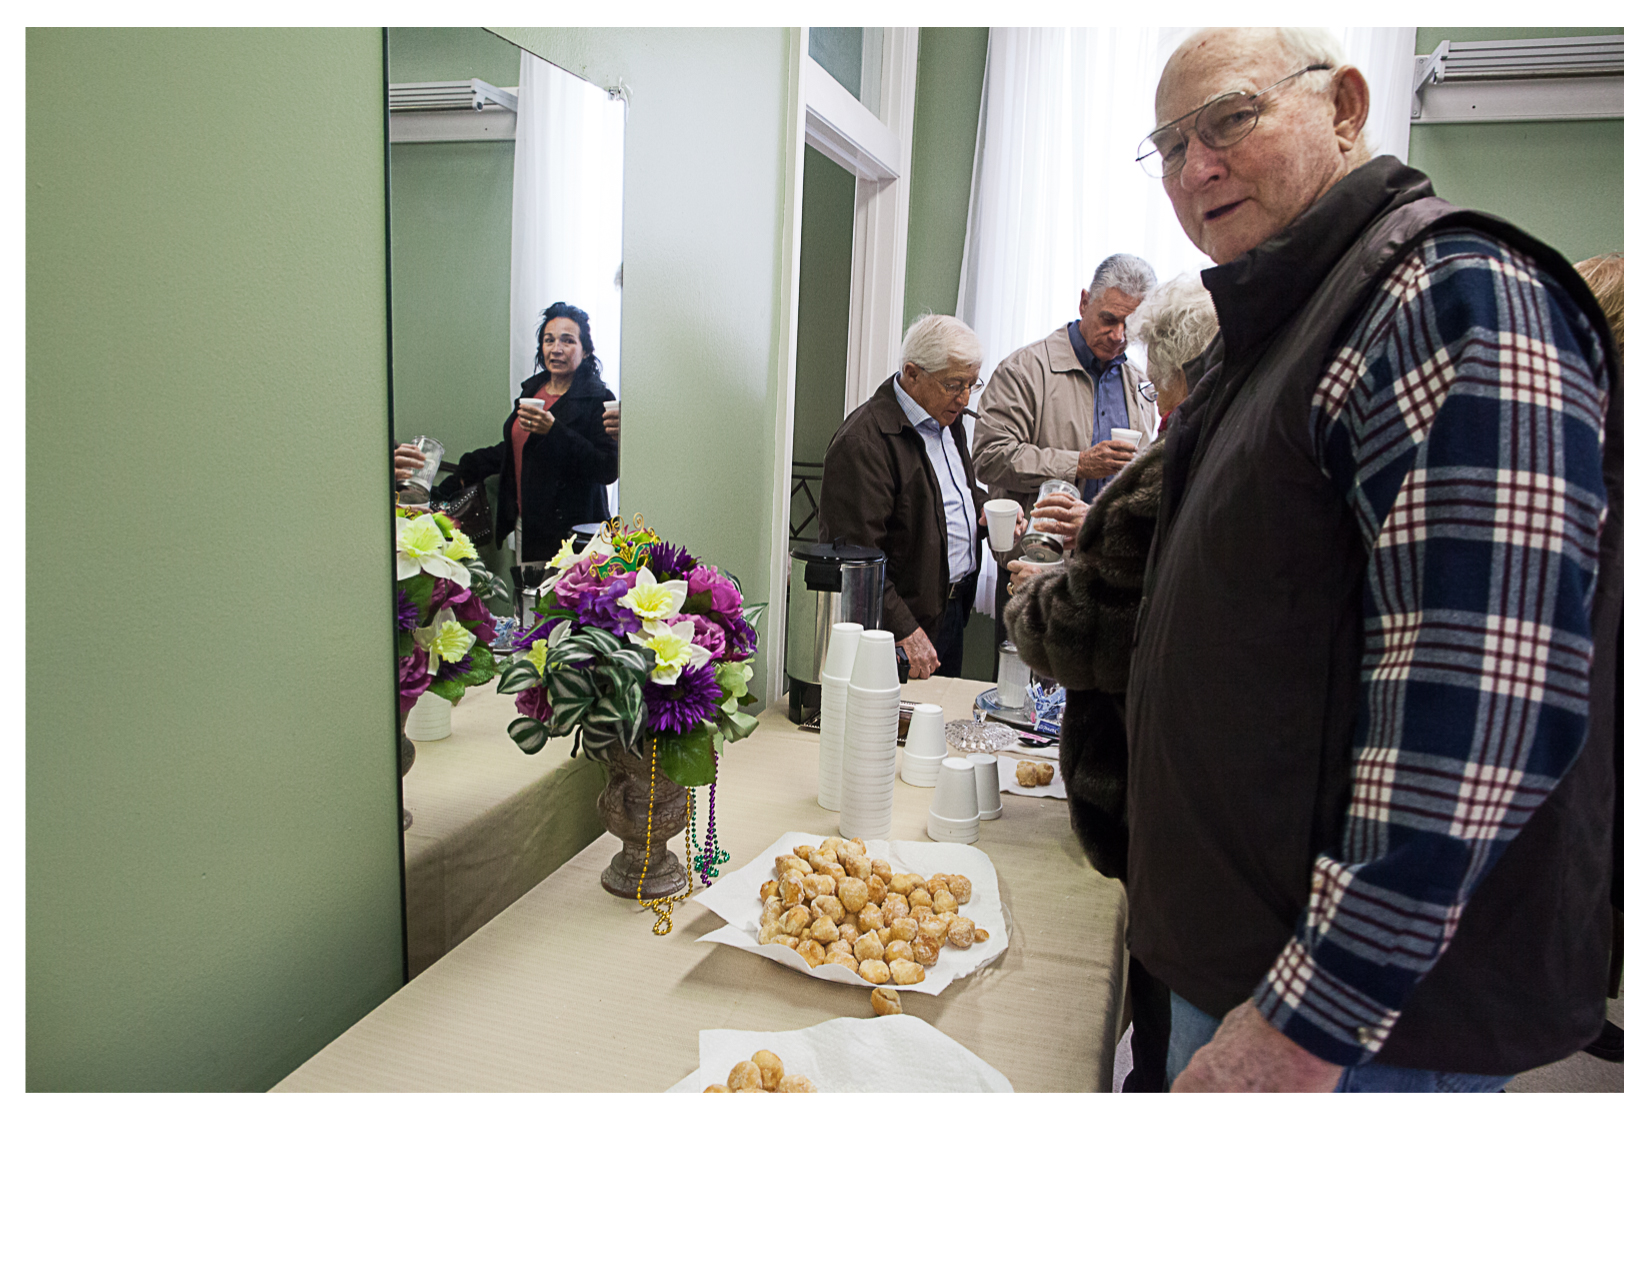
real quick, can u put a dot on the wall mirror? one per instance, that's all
(505, 195)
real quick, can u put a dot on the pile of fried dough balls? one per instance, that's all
(764, 1073)
(835, 905)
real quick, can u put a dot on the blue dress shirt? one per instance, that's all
(948, 468)
(1111, 408)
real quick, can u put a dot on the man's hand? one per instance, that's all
(1249, 1055)
(1019, 522)
(1060, 514)
(1019, 571)
(924, 659)
(1103, 459)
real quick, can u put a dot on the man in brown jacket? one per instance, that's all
(898, 478)
(1051, 405)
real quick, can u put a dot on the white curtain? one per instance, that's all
(565, 214)
(1056, 188)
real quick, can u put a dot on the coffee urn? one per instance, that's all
(830, 584)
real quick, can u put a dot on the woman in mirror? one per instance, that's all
(556, 459)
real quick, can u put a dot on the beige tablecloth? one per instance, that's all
(569, 990)
(489, 823)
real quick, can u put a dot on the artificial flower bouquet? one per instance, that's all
(636, 639)
(443, 626)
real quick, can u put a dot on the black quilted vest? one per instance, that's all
(1243, 694)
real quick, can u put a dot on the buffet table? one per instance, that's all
(569, 990)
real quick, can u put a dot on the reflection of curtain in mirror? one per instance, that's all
(1055, 185)
(565, 219)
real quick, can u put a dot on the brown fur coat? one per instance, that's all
(1075, 623)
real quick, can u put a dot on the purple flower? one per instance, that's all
(413, 678)
(741, 637)
(406, 611)
(710, 635)
(533, 703)
(667, 562)
(678, 709)
(724, 595)
(600, 608)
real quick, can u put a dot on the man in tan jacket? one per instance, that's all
(1041, 416)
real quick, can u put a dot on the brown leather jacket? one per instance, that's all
(880, 491)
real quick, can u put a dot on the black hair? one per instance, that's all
(591, 367)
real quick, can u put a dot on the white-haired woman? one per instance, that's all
(899, 478)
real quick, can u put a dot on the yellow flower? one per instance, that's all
(460, 547)
(538, 655)
(564, 555)
(453, 641)
(673, 649)
(654, 601)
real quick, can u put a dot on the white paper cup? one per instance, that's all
(874, 666)
(999, 523)
(918, 772)
(839, 650)
(1131, 436)
(1012, 676)
(940, 828)
(925, 737)
(431, 718)
(955, 794)
(988, 785)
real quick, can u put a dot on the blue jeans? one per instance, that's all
(1190, 1029)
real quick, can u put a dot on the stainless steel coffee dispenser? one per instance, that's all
(830, 584)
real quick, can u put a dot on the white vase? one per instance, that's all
(430, 718)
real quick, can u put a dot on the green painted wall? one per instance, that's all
(212, 856)
(824, 288)
(704, 177)
(1563, 181)
(950, 79)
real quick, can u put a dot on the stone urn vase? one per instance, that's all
(623, 805)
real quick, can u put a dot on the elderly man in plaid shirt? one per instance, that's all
(1371, 700)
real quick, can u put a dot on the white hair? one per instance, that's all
(1176, 322)
(1130, 275)
(1303, 45)
(935, 341)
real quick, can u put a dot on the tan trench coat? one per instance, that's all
(1037, 414)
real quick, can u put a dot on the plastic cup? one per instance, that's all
(988, 785)
(925, 737)
(940, 828)
(956, 795)
(1000, 516)
(839, 650)
(875, 668)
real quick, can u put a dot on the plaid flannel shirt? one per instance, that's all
(1463, 422)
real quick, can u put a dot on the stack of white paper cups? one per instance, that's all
(988, 785)
(833, 708)
(955, 814)
(870, 739)
(924, 746)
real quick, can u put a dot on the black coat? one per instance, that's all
(564, 473)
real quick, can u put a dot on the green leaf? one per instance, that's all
(529, 733)
(636, 659)
(687, 758)
(568, 683)
(565, 714)
(598, 740)
(519, 675)
(450, 689)
(403, 644)
(754, 613)
(735, 725)
(600, 641)
(697, 604)
(481, 668)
